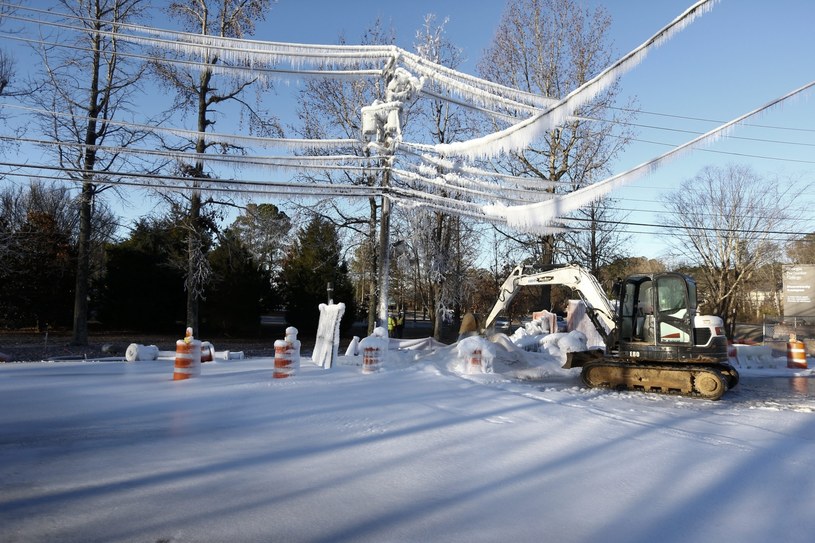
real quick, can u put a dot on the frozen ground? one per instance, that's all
(420, 451)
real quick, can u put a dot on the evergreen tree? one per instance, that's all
(313, 261)
(263, 229)
(240, 289)
(144, 288)
(202, 92)
(37, 255)
(37, 274)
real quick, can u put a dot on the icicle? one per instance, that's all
(471, 84)
(255, 52)
(534, 217)
(523, 133)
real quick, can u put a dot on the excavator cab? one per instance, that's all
(657, 320)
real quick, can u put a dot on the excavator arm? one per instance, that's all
(598, 307)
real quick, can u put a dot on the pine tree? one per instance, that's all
(313, 261)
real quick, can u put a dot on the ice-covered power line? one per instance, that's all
(267, 55)
(182, 184)
(300, 144)
(696, 132)
(790, 233)
(297, 162)
(539, 215)
(434, 168)
(711, 121)
(265, 74)
(523, 133)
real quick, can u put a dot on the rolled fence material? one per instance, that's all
(136, 351)
(207, 352)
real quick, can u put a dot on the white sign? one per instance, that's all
(798, 290)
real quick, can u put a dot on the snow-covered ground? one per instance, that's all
(418, 451)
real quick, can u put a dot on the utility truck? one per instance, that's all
(655, 340)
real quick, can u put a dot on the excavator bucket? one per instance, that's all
(578, 359)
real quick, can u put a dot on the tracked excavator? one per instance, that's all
(655, 339)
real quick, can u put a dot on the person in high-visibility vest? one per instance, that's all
(391, 325)
(400, 323)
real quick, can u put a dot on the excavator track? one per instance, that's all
(705, 381)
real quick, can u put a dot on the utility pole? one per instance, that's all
(381, 123)
(384, 248)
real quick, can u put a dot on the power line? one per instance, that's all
(745, 155)
(695, 228)
(712, 121)
(731, 153)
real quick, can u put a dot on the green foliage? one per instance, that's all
(313, 261)
(37, 256)
(262, 229)
(144, 285)
(240, 290)
(143, 289)
(37, 276)
(802, 250)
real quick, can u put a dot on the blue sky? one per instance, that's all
(739, 56)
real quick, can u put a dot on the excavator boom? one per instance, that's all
(572, 276)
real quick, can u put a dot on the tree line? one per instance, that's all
(262, 263)
(259, 264)
(67, 265)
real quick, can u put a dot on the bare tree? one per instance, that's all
(10, 85)
(7, 67)
(84, 87)
(597, 238)
(443, 245)
(331, 108)
(802, 250)
(550, 47)
(196, 92)
(6, 70)
(722, 220)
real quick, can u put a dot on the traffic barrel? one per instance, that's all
(207, 352)
(187, 357)
(796, 354)
(371, 359)
(474, 362)
(283, 366)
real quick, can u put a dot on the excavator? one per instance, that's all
(655, 339)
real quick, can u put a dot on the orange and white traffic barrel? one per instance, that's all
(474, 362)
(187, 357)
(283, 366)
(371, 359)
(796, 354)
